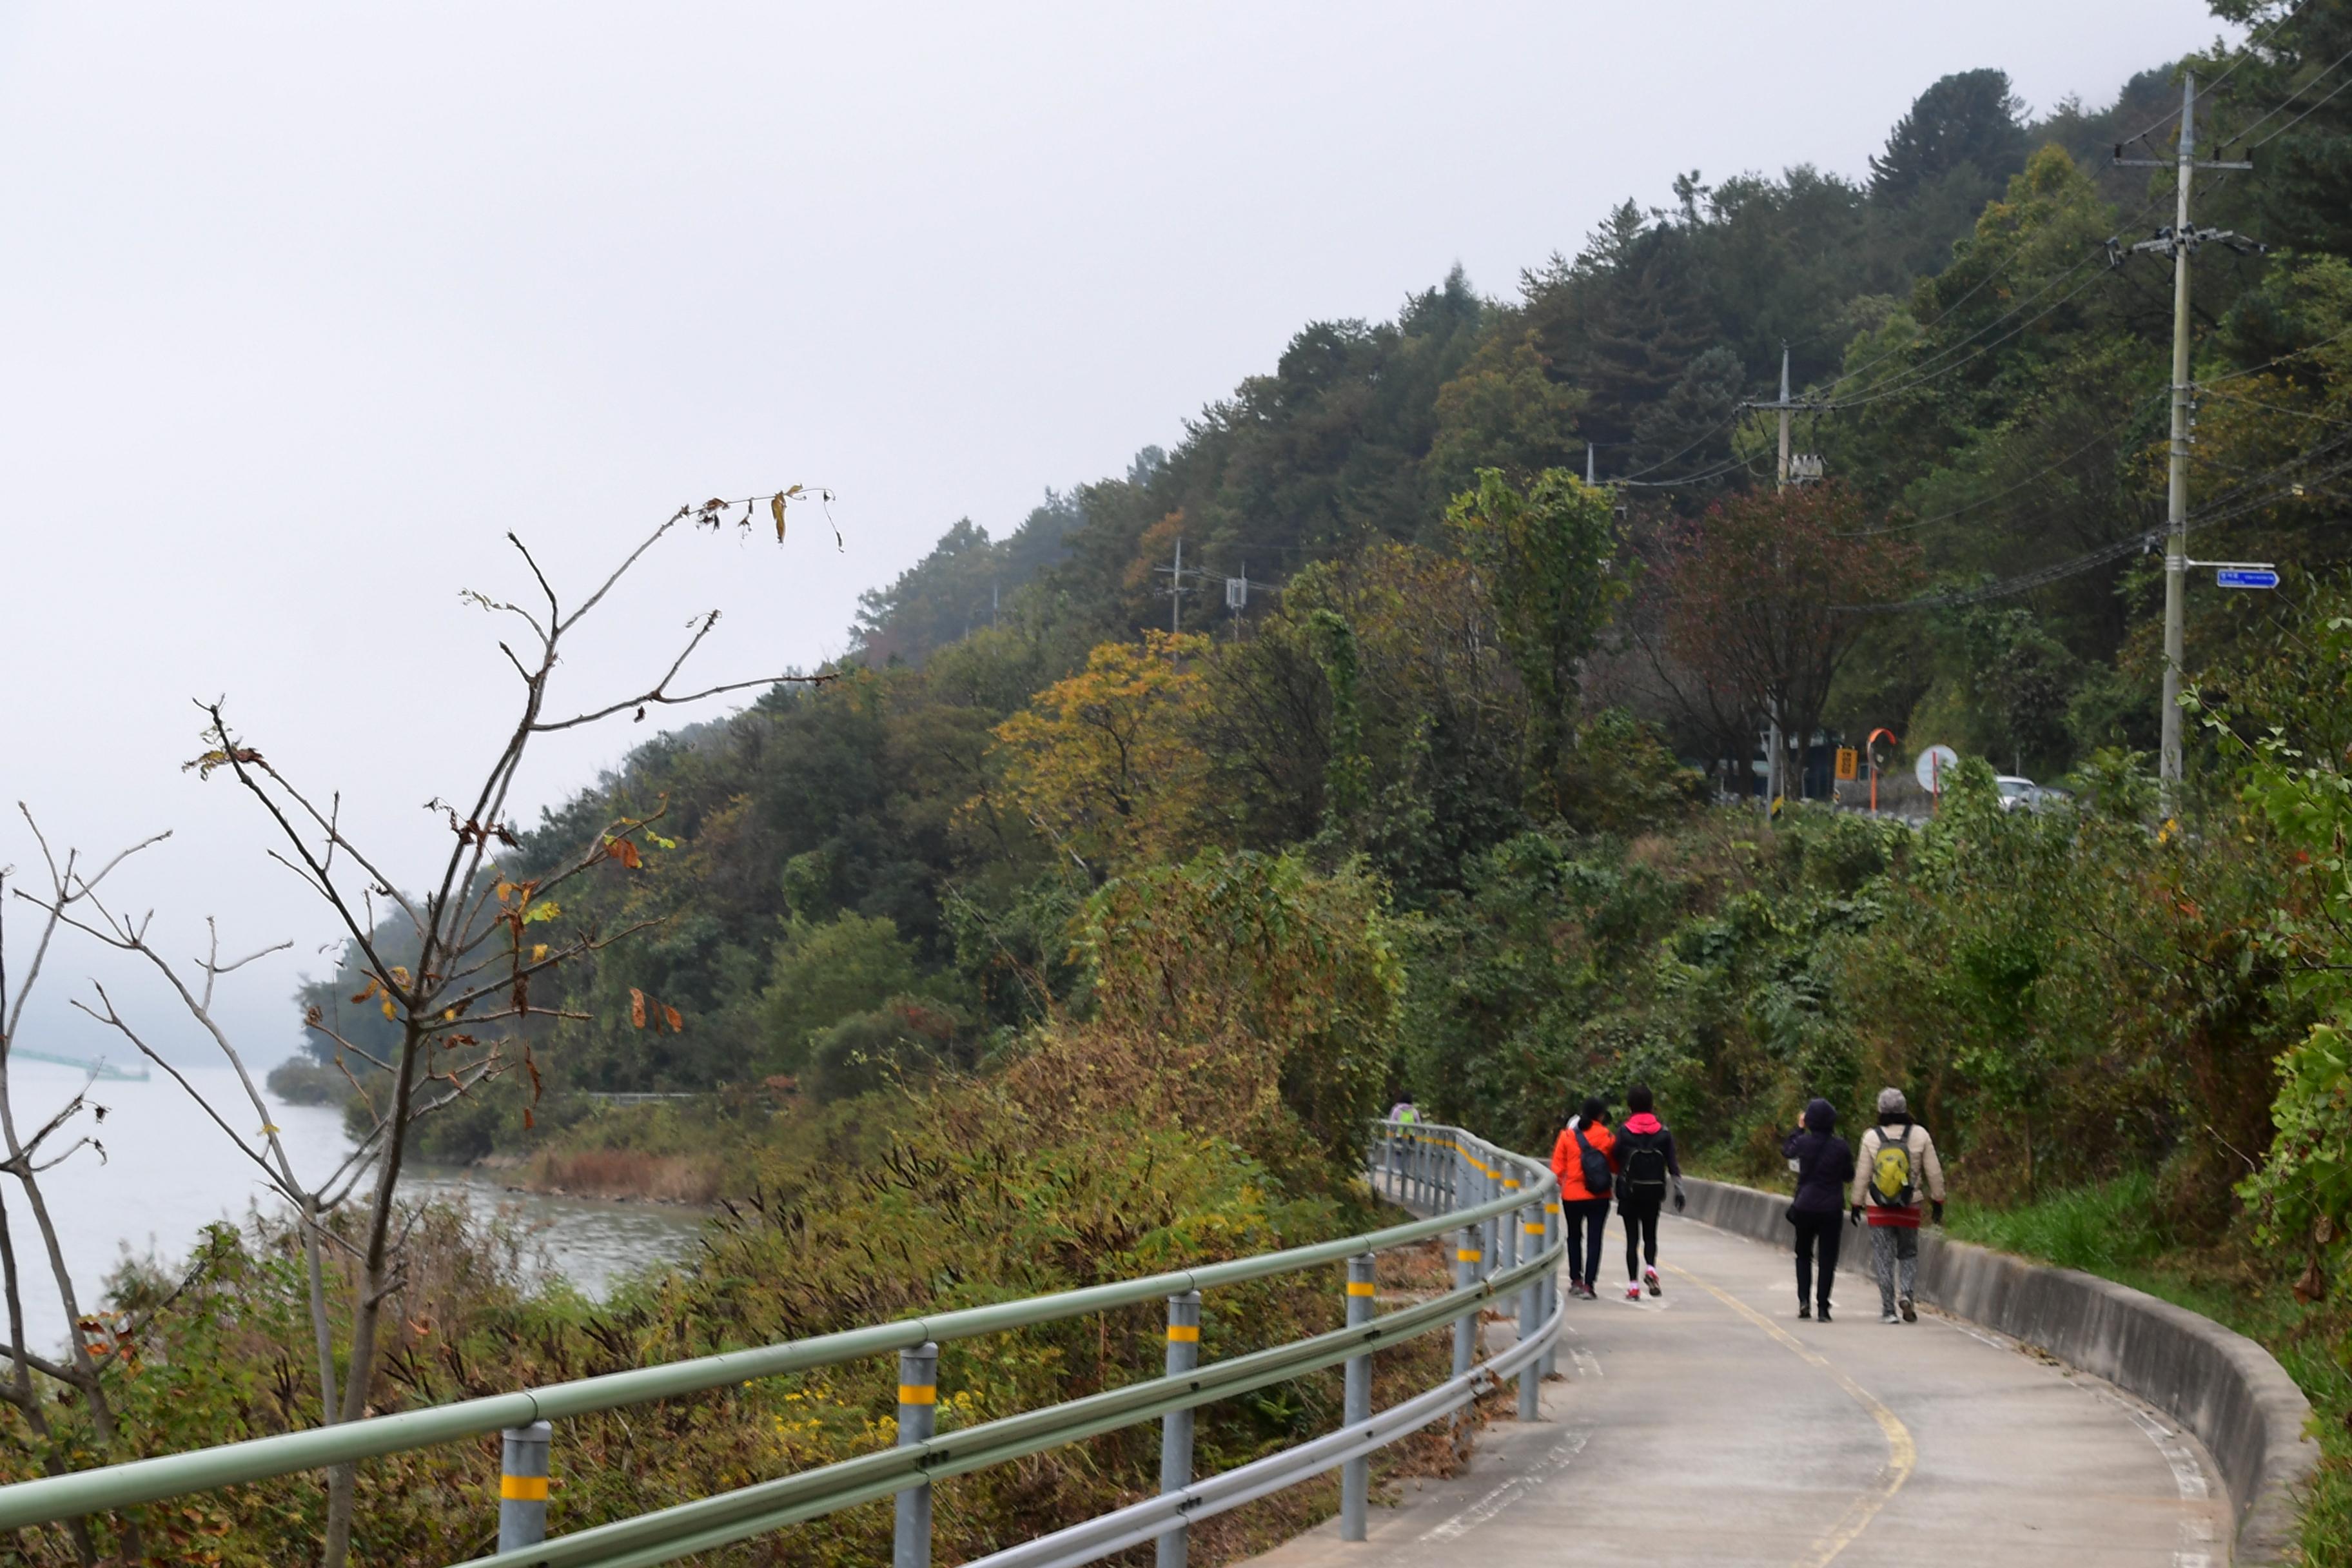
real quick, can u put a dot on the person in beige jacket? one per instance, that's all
(1896, 1162)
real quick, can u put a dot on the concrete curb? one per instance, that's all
(2221, 1385)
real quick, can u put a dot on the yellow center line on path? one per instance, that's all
(1901, 1454)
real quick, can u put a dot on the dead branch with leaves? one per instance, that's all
(481, 941)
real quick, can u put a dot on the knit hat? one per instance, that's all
(1891, 1103)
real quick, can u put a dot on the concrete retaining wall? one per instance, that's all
(2221, 1385)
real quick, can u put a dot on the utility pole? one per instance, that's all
(1176, 589)
(1785, 407)
(2179, 242)
(1785, 412)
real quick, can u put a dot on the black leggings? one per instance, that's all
(1641, 1229)
(1588, 1220)
(1821, 1231)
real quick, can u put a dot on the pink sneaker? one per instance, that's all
(1633, 1292)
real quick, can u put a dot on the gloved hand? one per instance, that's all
(1938, 1205)
(1679, 1201)
(1854, 1213)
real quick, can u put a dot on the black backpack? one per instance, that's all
(1597, 1174)
(1643, 1155)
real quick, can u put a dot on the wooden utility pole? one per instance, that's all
(1785, 407)
(2179, 242)
(1176, 589)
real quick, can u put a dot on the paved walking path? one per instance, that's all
(1710, 1426)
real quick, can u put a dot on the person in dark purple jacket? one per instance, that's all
(1823, 1165)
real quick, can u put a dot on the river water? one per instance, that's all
(169, 1171)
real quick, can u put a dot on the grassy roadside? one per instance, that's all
(2121, 1230)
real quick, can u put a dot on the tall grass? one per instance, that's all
(627, 1173)
(2113, 1226)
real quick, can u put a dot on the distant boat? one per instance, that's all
(103, 1070)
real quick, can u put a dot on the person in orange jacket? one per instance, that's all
(1583, 1158)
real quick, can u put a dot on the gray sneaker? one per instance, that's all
(1888, 1317)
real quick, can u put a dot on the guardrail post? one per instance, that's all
(1465, 1327)
(1356, 1475)
(918, 1412)
(1553, 1220)
(1507, 1229)
(1466, 1275)
(1531, 1234)
(1490, 1187)
(1176, 1426)
(522, 1485)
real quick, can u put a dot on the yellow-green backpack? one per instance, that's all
(1890, 1172)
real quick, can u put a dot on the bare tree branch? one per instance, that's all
(659, 697)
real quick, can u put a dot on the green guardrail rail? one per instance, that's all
(1503, 1206)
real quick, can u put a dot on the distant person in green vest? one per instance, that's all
(1894, 1164)
(1403, 1111)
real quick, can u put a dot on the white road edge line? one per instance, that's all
(2188, 1477)
(1469, 1519)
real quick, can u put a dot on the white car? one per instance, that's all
(2017, 794)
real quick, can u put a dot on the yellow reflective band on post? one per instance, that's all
(918, 1394)
(523, 1488)
(1469, 1256)
(1184, 1333)
(1531, 1227)
(1360, 1287)
(1551, 1208)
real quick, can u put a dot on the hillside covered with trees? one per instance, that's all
(1141, 898)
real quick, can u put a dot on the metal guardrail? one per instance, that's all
(1503, 1207)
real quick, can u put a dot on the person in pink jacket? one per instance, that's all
(1644, 1157)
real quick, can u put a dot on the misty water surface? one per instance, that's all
(169, 1172)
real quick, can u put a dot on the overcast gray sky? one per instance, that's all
(303, 306)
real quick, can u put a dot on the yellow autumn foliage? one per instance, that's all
(1109, 764)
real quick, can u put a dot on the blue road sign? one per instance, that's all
(2244, 577)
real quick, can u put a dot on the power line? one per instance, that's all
(1918, 374)
(2279, 360)
(2230, 504)
(2052, 467)
(2245, 53)
(2304, 116)
(1703, 476)
(2026, 583)
(2316, 77)
(1723, 423)
(2269, 407)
